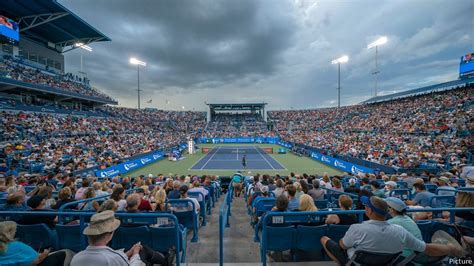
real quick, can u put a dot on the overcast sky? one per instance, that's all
(276, 51)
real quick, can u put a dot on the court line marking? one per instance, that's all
(264, 158)
(199, 161)
(232, 160)
(210, 158)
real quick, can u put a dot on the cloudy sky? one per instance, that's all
(277, 51)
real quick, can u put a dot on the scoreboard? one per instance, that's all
(466, 67)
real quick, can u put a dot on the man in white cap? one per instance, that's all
(100, 232)
(389, 186)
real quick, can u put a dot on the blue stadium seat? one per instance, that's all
(401, 193)
(202, 204)
(402, 184)
(37, 236)
(361, 257)
(126, 237)
(70, 237)
(163, 238)
(336, 232)
(431, 187)
(442, 201)
(308, 238)
(263, 205)
(276, 234)
(425, 228)
(321, 204)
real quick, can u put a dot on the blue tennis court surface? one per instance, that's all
(222, 157)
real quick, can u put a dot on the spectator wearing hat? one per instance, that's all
(13, 252)
(422, 197)
(398, 210)
(100, 232)
(316, 192)
(373, 235)
(389, 186)
(37, 203)
(446, 189)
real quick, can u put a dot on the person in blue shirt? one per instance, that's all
(237, 184)
(17, 253)
(422, 197)
(293, 202)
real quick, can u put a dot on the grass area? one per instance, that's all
(290, 161)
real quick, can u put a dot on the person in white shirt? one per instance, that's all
(378, 236)
(100, 232)
(183, 191)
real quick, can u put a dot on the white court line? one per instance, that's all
(237, 154)
(264, 158)
(199, 161)
(210, 158)
(232, 160)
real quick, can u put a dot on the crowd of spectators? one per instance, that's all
(431, 129)
(13, 69)
(229, 125)
(369, 192)
(121, 194)
(64, 144)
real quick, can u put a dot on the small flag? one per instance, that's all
(149, 101)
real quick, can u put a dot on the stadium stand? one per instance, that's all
(57, 130)
(425, 131)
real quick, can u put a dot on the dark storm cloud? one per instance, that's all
(185, 43)
(278, 51)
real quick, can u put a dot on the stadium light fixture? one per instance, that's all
(135, 61)
(380, 41)
(138, 63)
(341, 60)
(83, 47)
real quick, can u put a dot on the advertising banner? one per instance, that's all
(269, 140)
(340, 164)
(130, 165)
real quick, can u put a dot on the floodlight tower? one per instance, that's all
(341, 60)
(83, 47)
(380, 41)
(139, 63)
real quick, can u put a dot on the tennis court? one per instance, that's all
(222, 157)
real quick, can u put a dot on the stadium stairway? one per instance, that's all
(239, 247)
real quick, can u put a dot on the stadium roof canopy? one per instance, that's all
(50, 23)
(422, 90)
(236, 106)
